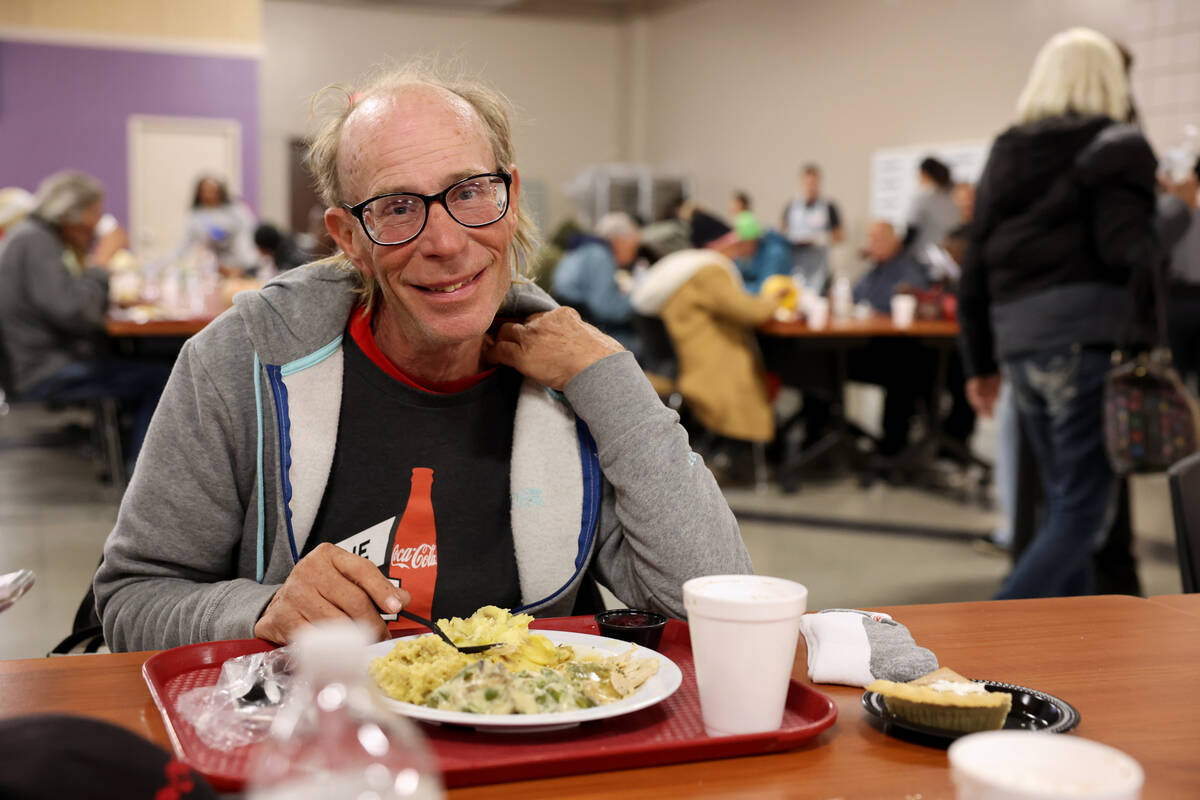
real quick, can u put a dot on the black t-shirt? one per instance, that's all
(392, 436)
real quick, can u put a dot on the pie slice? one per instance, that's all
(945, 699)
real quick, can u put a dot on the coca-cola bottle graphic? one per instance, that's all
(412, 551)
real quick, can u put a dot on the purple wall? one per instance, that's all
(66, 107)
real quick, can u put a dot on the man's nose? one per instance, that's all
(442, 235)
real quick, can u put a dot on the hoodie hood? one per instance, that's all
(671, 272)
(304, 309)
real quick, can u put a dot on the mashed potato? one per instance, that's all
(415, 667)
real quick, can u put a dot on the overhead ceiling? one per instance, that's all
(611, 10)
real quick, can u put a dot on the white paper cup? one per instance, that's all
(904, 310)
(744, 630)
(1026, 765)
(817, 313)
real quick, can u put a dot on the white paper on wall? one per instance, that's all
(894, 174)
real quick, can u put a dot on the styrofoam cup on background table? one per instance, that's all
(744, 630)
(904, 310)
(1027, 765)
(816, 314)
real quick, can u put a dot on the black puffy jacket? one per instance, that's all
(1064, 215)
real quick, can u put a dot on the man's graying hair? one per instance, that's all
(63, 196)
(334, 104)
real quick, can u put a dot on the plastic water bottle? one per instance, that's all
(333, 740)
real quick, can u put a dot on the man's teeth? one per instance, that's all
(456, 286)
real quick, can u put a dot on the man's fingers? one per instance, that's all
(367, 577)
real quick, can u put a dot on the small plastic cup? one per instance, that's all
(817, 313)
(1027, 765)
(744, 630)
(904, 310)
(632, 625)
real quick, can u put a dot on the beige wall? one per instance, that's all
(739, 94)
(238, 21)
(564, 76)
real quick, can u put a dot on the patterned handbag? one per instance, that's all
(1151, 420)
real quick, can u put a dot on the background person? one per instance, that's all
(811, 223)
(1183, 306)
(1065, 218)
(221, 225)
(588, 277)
(53, 304)
(934, 214)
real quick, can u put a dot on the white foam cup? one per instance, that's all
(904, 310)
(817, 313)
(1027, 765)
(744, 630)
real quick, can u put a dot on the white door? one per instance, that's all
(167, 155)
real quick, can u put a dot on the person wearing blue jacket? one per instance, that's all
(586, 277)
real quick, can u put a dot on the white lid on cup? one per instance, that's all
(1031, 765)
(744, 598)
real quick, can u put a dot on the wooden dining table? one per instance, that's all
(1126, 664)
(128, 324)
(1187, 603)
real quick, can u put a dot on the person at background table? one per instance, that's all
(934, 213)
(1183, 310)
(593, 276)
(811, 224)
(1065, 219)
(538, 458)
(710, 319)
(901, 366)
(53, 304)
(278, 252)
(890, 268)
(745, 224)
(222, 226)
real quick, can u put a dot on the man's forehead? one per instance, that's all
(411, 122)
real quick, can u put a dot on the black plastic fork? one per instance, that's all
(428, 623)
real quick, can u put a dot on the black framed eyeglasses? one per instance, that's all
(399, 217)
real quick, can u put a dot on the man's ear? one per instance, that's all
(343, 227)
(514, 191)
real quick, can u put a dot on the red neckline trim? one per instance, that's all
(364, 337)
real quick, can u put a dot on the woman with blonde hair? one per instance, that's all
(1065, 220)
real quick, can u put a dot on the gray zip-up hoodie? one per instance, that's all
(235, 463)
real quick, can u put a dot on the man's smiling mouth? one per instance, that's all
(450, 287)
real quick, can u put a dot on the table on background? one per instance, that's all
(1127, 664)
(783, 345)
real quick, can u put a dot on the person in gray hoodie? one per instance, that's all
(406, 423)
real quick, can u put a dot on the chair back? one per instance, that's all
(1184, 479)
(658, 353)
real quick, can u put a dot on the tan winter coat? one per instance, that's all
(711, 321)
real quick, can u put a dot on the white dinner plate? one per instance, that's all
(659, 687)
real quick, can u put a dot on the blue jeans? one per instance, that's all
(136, 385)
(1060, 400)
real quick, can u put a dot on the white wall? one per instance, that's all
(739, 94)
(565, 77)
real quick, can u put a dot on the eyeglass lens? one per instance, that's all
(476, 201)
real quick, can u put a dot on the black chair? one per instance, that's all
(1184, 479)
(106, 430)
(658, 358)
(658, 353)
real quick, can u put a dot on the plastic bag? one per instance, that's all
(239, 709)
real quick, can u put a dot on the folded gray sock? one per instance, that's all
(854, 647)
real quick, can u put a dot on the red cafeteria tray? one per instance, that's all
(667, 733)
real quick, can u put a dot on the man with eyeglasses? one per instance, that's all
(408, 422)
